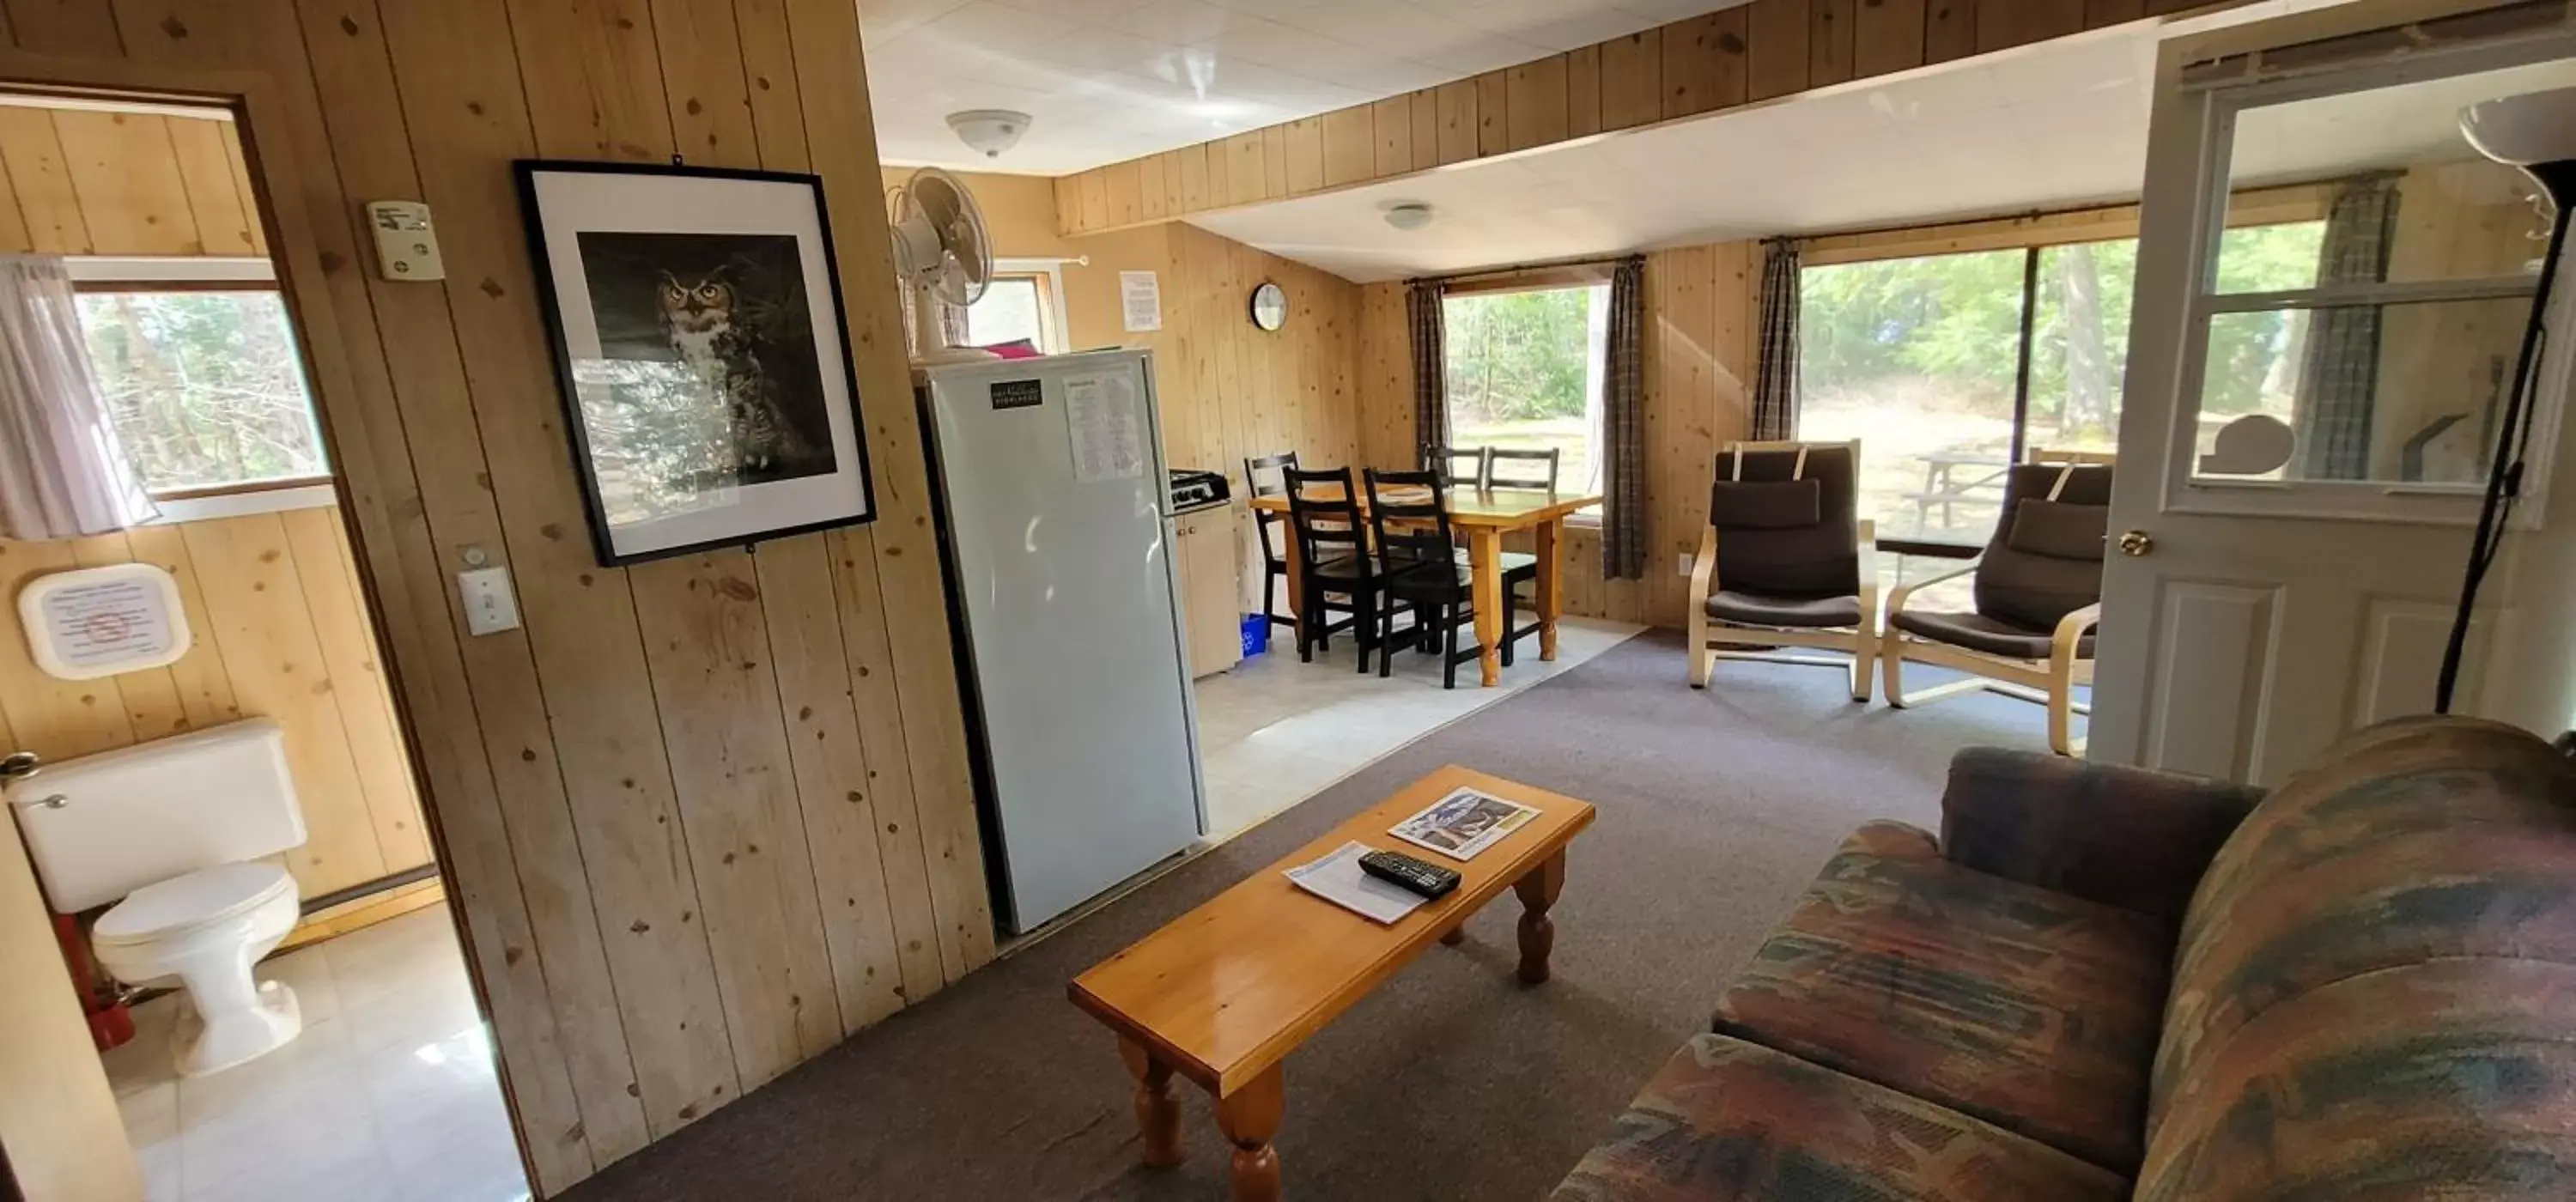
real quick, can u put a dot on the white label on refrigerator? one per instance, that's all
(1107, 426)
(1141, 295)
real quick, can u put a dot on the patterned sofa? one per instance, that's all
(2102, 983)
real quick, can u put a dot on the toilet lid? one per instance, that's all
(204, 896)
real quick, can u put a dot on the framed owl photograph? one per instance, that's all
(699, 342)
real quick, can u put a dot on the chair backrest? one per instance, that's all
(1267, 476)
(2376, 981)
(1505, 468)
(1326, 509)
(1456, 465)
(1409, 511)
(1786, 518)
(2055, 455)
(2045, 559)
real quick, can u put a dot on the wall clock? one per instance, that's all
(1269, 306)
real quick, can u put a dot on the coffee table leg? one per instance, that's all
(1455, 935)
(1158, 1114)
(1250, 1117)
(1538, 889)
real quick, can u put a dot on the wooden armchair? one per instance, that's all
(2038, 596)
(1785, 562)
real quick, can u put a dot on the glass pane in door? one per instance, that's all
(2397, 392)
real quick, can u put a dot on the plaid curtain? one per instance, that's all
(2340, 371)
(1775, 378)
(1430, 367)
(1623, 420)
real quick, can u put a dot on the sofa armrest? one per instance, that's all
(2125, 837)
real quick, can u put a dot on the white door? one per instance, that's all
(2331, 291)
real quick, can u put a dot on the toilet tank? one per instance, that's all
(153, 811)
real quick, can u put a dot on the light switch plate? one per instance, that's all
(490, 606)
(1686, 564)
(406, 244)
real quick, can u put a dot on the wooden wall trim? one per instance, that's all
(2264, 206)
(1753, 53)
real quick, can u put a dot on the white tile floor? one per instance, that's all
(388, 1095)
(1274, 731)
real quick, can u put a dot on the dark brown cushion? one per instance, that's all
(2033, 588)
(1977, 632)
(2059, 529)
(1758, 609)
(1766, 505)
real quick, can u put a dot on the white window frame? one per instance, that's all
(1056, 336)
(2214, 111)
(194, 505)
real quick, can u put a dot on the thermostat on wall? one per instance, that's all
(93, 622)
(406, 246)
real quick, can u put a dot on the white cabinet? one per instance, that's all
(1211, 589)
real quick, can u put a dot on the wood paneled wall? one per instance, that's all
(1743, 54)
(707, 816)
(1702, 303)
(86, 182)
(281, 631)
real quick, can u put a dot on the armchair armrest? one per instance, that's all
(1867, 547)
(1905, 592)
(2069, 635)
(2121, 836)
(1704, 568)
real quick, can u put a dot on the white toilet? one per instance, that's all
(173, 831)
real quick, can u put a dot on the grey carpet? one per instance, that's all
(1451, 1081)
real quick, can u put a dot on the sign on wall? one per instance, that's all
(93, 622)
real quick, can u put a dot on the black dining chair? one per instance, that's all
(1333, 560)
(1418, 560)
(1267, 476)
(1456, 466)
(1509, 468)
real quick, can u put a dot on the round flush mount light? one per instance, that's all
(1408, 215)
(989, 132)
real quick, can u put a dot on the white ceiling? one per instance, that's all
(2050, 126)
(1113, 79)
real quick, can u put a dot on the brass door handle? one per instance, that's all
(2134, 543)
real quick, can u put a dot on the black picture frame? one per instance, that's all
(843, 424)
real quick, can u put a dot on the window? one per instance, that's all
(1018, 306)
(1525, 374)
(1949, 368)
(203, 380)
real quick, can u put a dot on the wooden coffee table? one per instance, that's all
(1226, 991)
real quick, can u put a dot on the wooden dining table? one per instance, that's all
(1485, 516)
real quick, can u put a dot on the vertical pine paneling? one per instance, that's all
(1305, 156)
(1126, 192)
(2003, 24)
(1583, 92)
(1536, 105)
(1425, 107)
(1776, 61)
(33, 155)
(76, 27)
(1195, 196)
(1456, 103)
(1350, 146)
(1887, 36)
(126, 177)
(1392, 122)
(1246, 176)
(221, 214)
(1493, 113)
(1949, 30)
(1704, 67)
(1632, 80)
(2100, 13)
(1829, 44)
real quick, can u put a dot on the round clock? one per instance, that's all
(1269, 306)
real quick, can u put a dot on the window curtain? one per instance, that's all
(62, 472)
(1623, 427)
(2340, 369)
(1430, 330)
(1775, 378)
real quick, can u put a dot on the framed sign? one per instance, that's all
(699, 343)
(93, 622)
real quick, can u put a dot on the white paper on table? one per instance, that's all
(1337, 878)
(1140, 297)
(1106, 425)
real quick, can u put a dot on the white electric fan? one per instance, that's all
(944, 257)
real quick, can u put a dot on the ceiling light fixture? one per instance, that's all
(1408, 215)
(989, 131)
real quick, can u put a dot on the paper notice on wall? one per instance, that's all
(1107, 427)
(1141, 295)
(100, 621)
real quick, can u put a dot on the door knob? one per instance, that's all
(2134, 543)
(19, 765)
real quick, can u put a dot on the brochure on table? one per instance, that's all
(1463, 823)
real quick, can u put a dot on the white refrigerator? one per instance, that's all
(1056, 537)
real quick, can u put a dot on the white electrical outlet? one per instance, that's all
(490, 607)
(406, 246)
(1686, 564)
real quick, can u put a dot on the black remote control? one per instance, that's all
(1429, 880)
